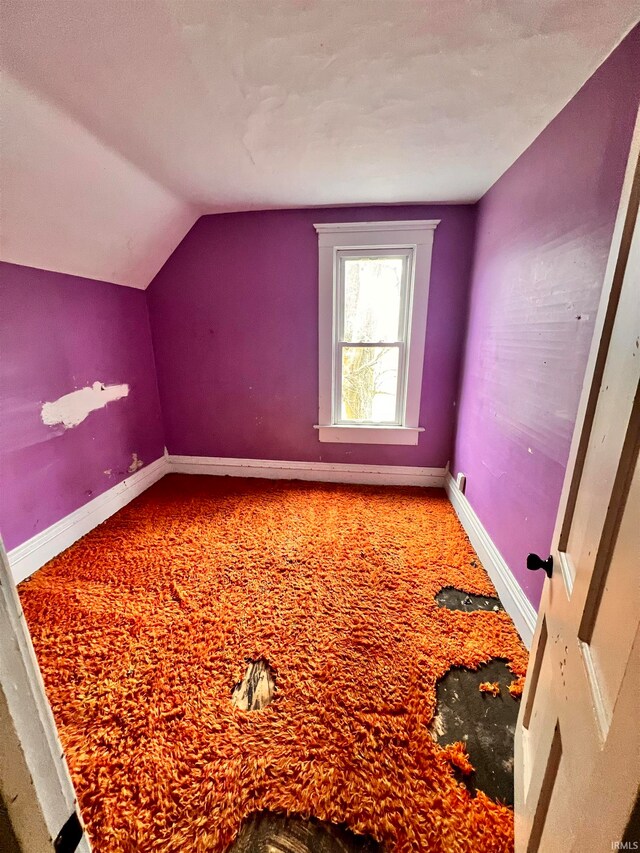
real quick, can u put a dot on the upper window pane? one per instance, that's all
(372, 289)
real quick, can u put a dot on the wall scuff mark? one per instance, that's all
(71, 409)
(136, 463)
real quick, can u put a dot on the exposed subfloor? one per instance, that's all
(225, 652)
(458, 599)
(272, 833)
(483, 722)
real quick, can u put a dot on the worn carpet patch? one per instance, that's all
(143, 628)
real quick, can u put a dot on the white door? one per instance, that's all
(578, 733)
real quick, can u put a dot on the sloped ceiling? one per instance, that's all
(124, 120)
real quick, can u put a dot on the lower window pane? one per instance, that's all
(369, 384)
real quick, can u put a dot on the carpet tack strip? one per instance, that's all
(142, 627)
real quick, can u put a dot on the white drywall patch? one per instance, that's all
(71, 409)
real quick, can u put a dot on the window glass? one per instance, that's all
(369, 384)
(372, 289)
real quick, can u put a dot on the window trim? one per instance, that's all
(417, 236)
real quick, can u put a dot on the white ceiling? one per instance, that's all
(123, 120)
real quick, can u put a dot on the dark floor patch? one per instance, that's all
(256, 688)
(484, 722)
(8, 839)
(272, 833)
(457, 599)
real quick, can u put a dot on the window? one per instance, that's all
(374, 282)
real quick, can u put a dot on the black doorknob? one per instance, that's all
(535, 562)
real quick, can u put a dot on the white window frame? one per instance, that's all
(413, 238)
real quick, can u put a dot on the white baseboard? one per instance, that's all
(511, 595)
(44, 546)
(35, 552)
(325, 472)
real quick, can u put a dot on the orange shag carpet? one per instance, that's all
(143, 627)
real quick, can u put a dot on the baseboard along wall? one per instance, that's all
(515, 602)
(35, 552)
(27, 558)
(322, 472)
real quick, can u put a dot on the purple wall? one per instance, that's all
(59, 333)
(543, 237)
(234, 319)
(234, 314)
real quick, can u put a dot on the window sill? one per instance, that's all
(347, 434)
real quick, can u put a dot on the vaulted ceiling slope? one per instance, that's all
(125, 120)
